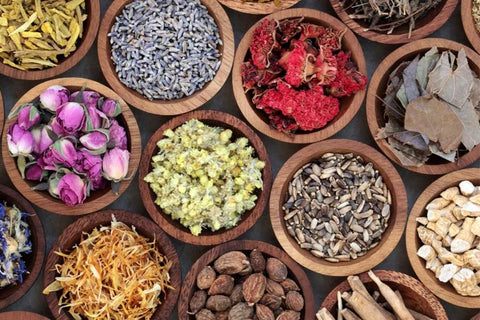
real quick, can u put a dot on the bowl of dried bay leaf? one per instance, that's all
(423, 105)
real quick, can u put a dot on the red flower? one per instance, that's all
(325, 68)
(263, 42)
(348, 80)
(289, 28)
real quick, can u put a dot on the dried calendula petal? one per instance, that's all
(35, 33)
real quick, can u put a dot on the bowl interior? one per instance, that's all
(471, 31)
(2, 113)
(257, 7)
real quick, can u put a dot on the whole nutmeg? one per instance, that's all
(272, 301)
(276, 269)
(197, 302)
(257, 260)
(254, 288)
(218, 303)
(294, 301)
(231, 262)
(240, 311)
(275, 288)
(246, 271)
(222, 315)
(237, 294)
(290, 285)
(289, 315)
(223, 284)
(205, 314)
(263, 312)
(205, 278)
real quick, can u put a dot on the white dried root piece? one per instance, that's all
(466, 188)
(464, 239)
(450, 193)
(471, 258)
(427, 253)
(447, 272)
(466, 283)
(438, 203)
(453, 230)
(435, 214)
(422, 220)
(475, 228)
(324, 314)
(440, 227)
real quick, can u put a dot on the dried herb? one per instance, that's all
(476, 13)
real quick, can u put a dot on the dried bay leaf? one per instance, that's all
(402, 95)
(435, 119)
(413, 139)
(471, 126)
(475, 93)
(426, 65)
(436, 151)
(409, 80)
(407, 155)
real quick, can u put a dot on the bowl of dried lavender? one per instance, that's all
(422, 113)
(166, 57)
(396, 21)
(35, 48)
(299, 75)
(258, 6)
(23, 246)
(471, 21)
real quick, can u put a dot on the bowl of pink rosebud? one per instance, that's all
(71, 146)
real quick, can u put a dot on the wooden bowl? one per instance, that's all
(167, 107)
(390, 237)
(429, 23)
(416, 296)
(442, 290)
(2, 113)
(294, 270)
(349, 106)
(34, 260)
(174, 227)
(64, 64)
(21, 315)
(257, 7)
(145, 227)
(377, 86)
(98, 199)
(468, 24)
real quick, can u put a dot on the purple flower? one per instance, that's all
(72, 189)
(111, 108)
(97, 119)
(71, 117)
(20, 141)
(34, 173)
(115, 164)
(95, 141)
(64, 152)
(56, 127)
(118, 136)
(47, 161)
(41, 138)
(54, 97)
(28, 116)
(89, 164)
(98, 183)
(89, 98)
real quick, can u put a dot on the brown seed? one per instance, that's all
(222, 285)
(277, 312)
(197, 301)
(263, 312)
(290, 285)
(240, 311)
(276, 269)
(231, 262)
(218, 303)
(271, 301)
(289, 315)
(275, 288)
(254, 288)
(222, 315)
(237, 294)
(294, 301)
(246, 271)
(257, 260)
(205, 314)
(206, 277)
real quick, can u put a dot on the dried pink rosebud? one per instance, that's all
(64, 152)
(53, 97)
(42, 138)
(115, 164)
(28, 116)
(34, 173)
(72, 189)
(111, 108)
(20, 142)
(95, 141)
(118, 136)
(71, 117)
(89, 98)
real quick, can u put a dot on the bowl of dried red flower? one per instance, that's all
(258, 6)
(299, 75)
(422, 106)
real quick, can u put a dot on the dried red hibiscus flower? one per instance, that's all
(296, 72)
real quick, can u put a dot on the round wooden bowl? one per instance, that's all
(295, 272)
(415, 295)
(349, 106)
(2, 113)
(34, 260)
(468, 24)
(98, 199)
(429, 23)
(83, 45)
(376, 90)
(257, 7)
(390, 237)
(21, 315)
(167, 107)
(442, 290)
(174, 227)
(145, 227)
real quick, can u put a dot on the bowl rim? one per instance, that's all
(38, 241)
(418, 33)
(382, 71)
(172, 226)
(341, 120)
(176, 106)
(257, 7)
(45, 201)
(92, 23)
(2, 113)
(391, 276)
(295, 271)
(469, 28)
(21, 315)
(443, 291)
(392, 234)
(144, 226)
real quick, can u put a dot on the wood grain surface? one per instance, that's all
(83, 45)
(2, 113)
(21, 315)
(390, 237)
(376, 89)
(424, 26)
(145, 227)
(349, 106)
(167, 107)
(98, 199)
(174, 227)
(257, 7)
(444, 291)
(33, 261)
(415, 295)
(294, 270)
(468, 24)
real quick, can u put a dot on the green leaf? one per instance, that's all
(21, 163)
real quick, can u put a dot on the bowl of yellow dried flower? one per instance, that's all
(258, 6)
(42, 39)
